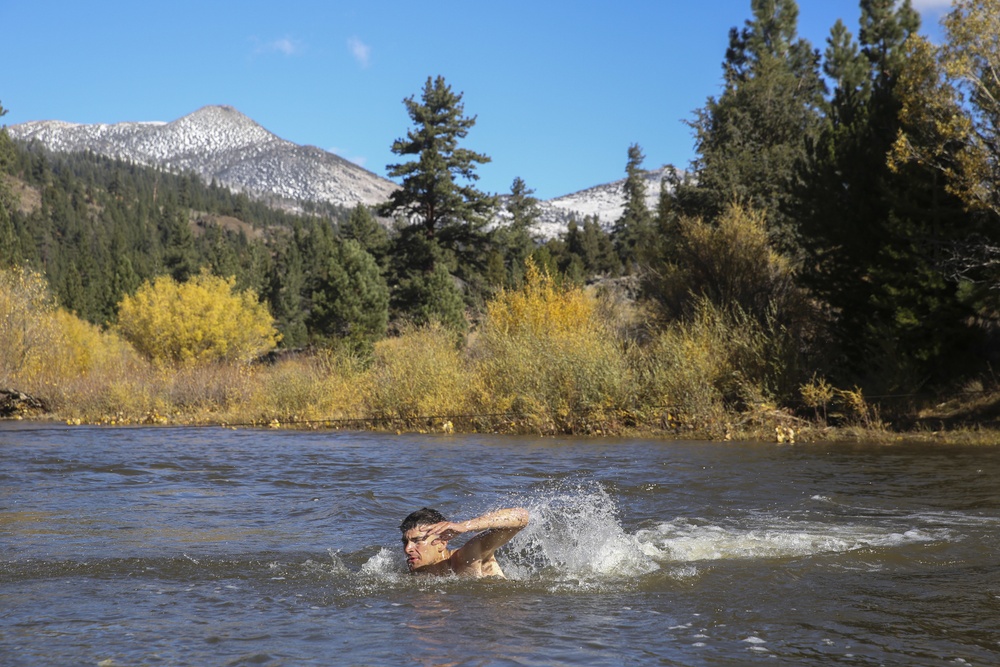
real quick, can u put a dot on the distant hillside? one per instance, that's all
(219, 143)
(605, 202)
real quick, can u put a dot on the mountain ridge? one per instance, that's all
(220, 143)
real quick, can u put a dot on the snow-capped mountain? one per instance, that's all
(218, 142)
(605, 202)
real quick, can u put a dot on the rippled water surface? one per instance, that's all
(218, 547)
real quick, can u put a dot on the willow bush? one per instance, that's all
(53, 354)
(326, 386)
(708, 369)
(94, 371)
(545, 358)
(27, 333)
(422, 373)
(201, 320)
(730, 267)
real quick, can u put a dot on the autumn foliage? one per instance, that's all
(203, 319)
(545, 357)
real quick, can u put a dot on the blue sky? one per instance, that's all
(560, 89)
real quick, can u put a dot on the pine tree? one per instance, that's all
(514, 241)
(437, 195)
(361, 226)
(632, 232)
(432, 297)
(874, 236)
(429, 189)
(351, 302)
(180, 258)
(749, 139)
(593, 246)
(286, 284)
(424, 296)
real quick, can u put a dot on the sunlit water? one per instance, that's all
(218, 547)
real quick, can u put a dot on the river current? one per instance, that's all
(208, 546)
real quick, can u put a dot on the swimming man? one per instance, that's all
(426, 534)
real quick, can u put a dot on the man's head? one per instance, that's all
(422, 517)
(420, 551)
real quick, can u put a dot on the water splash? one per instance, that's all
(575, 533)
(383, 565)
(576, 538)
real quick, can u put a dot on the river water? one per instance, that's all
(170, 546)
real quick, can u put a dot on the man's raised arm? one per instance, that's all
(494, 530)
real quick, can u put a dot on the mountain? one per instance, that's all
(605, 202)
(220, 143)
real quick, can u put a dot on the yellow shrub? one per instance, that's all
(26, 331)
(197, 321)
(418, 374)
(540, 308)
(82, 347)
(703, 367)
(323, 387)
(545, 356)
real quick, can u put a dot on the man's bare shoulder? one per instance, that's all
(488, 567)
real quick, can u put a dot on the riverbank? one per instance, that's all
(967, 419)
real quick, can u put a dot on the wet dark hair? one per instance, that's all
(422, 517)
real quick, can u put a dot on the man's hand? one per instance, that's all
(446, 530)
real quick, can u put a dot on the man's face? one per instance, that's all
(420, 550)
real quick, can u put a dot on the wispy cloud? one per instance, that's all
(361, 51)
(932, 6)
(357, 159)
(286, 46)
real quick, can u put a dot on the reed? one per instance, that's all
(324, 386)
(712, 371)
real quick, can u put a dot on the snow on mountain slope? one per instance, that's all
(605, 202)
(220, 143)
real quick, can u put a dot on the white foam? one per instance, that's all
(688, 541)
(382, 565)
(576, 539)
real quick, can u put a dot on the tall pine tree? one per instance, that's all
(438, 198)
(749, 139)
(514, 241)
(632, 232)
(875, 236)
